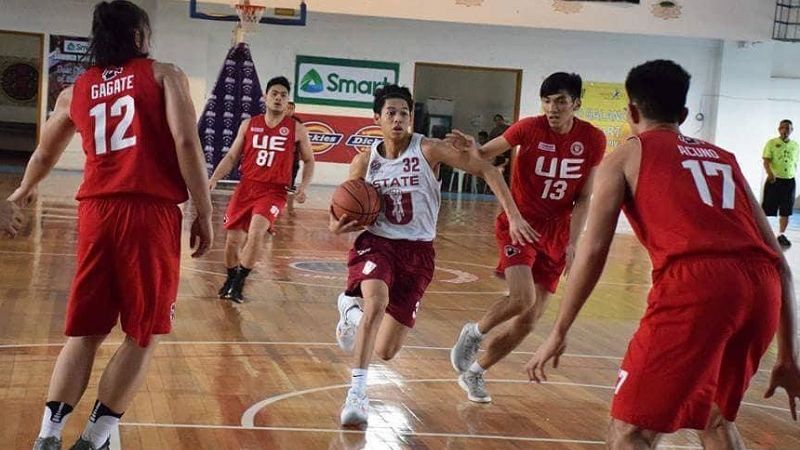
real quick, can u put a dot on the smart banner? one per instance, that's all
(341, 82)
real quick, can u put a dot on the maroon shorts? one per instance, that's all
(250, 198)
(129, 252)
(546, 258)
(707, 325)
(405, 266)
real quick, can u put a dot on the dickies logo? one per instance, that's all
(576, 148)
(545, 147)
(363, 139)
(322, 137)
(510, 251)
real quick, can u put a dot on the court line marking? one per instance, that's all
(116, 442)
(309, 344)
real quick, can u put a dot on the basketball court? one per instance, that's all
(267, 374)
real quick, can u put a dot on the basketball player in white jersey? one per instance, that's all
(391, 263)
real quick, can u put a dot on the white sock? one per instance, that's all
(354, 314)
(54, 419)
(359, 381)
(476, 368)
(101, 422)
(475, 331)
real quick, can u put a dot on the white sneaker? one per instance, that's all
(346, 329)
(475, 386)
(462, 355)
(355, 409)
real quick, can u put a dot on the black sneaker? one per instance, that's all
(86, 445)
(225, 287)
(784, 242)
(234, 294)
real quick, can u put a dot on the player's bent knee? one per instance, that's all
(387, 353)
(520, 301)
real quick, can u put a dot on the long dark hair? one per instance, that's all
(115, 27)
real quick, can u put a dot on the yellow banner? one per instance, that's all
(605, 106)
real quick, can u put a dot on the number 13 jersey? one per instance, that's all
(690, 200)
(121, 116)
(269, 151)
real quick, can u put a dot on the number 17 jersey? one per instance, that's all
(120, 114)
(691, 200)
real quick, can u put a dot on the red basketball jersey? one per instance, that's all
(691, 200)
(269, 152)
(120, 115)
(550, 168)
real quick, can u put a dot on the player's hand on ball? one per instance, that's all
(521, 231)
(343, 225)
(201, 236)
(10, 218)
(787, 376)
(553, 348)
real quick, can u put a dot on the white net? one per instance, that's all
(249, 15)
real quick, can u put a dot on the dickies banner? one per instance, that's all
(338, 139)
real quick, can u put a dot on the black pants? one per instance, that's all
(779, 197)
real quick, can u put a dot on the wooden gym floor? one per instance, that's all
(268, 375)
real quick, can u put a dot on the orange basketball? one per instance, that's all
(358, 200)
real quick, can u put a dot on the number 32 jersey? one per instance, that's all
(691, 200)
(121, 116)
(268, 153)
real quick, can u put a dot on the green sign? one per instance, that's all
(341, 82)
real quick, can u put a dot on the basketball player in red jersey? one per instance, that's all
(391, 263)
(137, 124)
(721, 286)
(266, 145)
(551, 182)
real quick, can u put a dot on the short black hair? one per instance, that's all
(114, 31)
(279, 81)
(658, 89)
(786, 121)
(498, 116)
(562, 81)
(391, 91)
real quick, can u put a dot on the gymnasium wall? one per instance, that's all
(733, 85)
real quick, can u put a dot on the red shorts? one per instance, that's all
(129, 252)
(250, 198)
(546, 258)
(707, 325)
(405, 266)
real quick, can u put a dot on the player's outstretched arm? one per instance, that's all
(786, 373)
(358, 170)
(488, 151)
(56, 134)
(609, 194)
(307, 156)
(437, 151)
(181, 121)
(231, 158)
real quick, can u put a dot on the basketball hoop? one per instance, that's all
(249, 15)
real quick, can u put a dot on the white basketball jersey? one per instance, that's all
(411, 193)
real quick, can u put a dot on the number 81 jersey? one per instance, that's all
(121, 116)
(269, 151)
